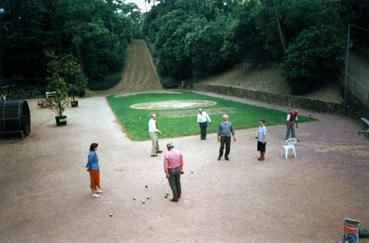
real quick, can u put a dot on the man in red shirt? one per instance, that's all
(291, 122)
(173, 168)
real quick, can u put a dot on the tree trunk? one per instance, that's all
(280, 32)
(79, 56)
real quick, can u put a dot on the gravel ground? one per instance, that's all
(45, 195)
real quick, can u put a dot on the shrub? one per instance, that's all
(106, 82)
(169, 83)
(59, 101)
(69, 69)
(203, 45)
(314, 58)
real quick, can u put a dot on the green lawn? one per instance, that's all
(182, 122)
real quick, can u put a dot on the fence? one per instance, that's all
(356, 82)
(359, 89)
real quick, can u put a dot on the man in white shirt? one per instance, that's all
(203, 119)
(153, 131)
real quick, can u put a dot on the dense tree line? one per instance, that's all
(95, 32)
(192, 39)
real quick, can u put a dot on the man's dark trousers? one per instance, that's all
(203, 127)
(175, 182)
(227, 141)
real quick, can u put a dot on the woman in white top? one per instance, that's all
(262, 131)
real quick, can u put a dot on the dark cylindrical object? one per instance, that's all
(15, 117)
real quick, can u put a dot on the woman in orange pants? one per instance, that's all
(93, 169)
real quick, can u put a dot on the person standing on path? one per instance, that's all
(94, 169)
(225, 131)
(203, 119)
(291, 123)
(262, 131)
(153, 131)
(173, 168)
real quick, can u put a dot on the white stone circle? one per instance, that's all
(172, 104)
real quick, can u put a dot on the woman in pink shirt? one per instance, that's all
(173, 168)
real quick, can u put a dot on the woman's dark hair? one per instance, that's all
(93, 146)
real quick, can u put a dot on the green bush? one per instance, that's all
(106, 82)
(96, 32)
(170, 49)
(314, 58)
(204, 46)
(251, 45)
(68, 68)
(169, 83)
(59, 101)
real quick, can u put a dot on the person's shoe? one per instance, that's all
(174, 200)
(219, 158)
(226, 158)
(154, 155)
(159, 151)
(260, 159)
(98, 190)
(95, 195)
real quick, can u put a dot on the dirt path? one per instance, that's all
(45, 197)
(139, 73)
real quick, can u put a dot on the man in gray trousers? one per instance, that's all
(225, 131)
(153, 131)
(291, 123)
(173, 168)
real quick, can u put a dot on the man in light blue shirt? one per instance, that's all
(262, 131)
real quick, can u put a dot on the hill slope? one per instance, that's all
(270, 80)
(139, 73)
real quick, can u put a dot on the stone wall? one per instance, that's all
(285, 100)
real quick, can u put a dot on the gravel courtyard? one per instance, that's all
(45, 188)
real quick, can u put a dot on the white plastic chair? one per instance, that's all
(289, 145)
